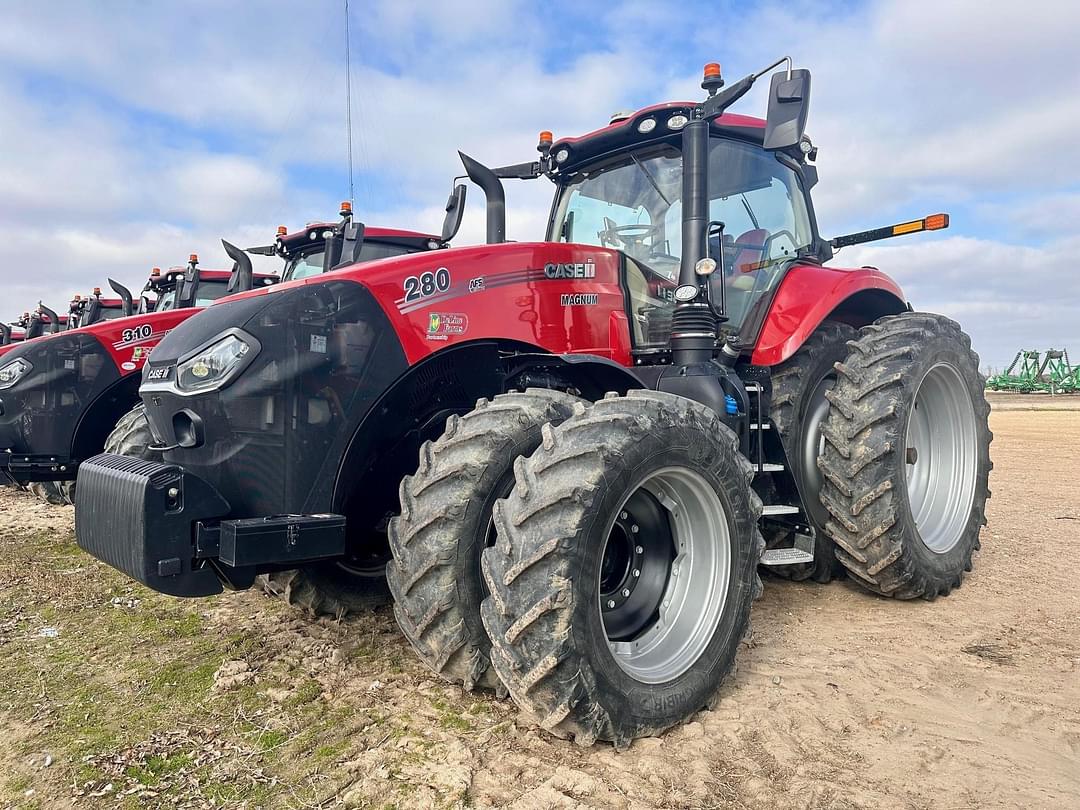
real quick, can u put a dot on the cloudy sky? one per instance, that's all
(135, 133)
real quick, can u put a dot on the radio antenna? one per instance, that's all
(348, 105)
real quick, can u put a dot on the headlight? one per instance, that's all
(213, 366)
(11, 373)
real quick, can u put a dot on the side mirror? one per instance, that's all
(789, 105)
(351, 238)
(242, 275)
(5, 334)
(186, 290)
(455, 210)
(125, 297)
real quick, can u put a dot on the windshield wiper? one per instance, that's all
(651, 179)
(749, 211)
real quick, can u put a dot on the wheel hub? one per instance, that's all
(660, 619)
(635, 565)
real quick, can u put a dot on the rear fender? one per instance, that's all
(810, 294)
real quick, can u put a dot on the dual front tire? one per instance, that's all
(598, 561)
(598, 631)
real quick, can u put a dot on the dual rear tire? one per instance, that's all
(906, 458)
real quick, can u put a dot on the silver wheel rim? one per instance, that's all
(698, 582)
(813, 445)
(941, 458)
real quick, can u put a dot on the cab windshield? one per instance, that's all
(207, 293)
(311, 264)
(634, 204)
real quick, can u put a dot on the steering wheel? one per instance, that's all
(627, 236)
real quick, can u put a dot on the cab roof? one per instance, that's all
(625, 131)
(314, 230)
(209, 275)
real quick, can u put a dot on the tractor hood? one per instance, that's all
(57, 377)
(566, 297)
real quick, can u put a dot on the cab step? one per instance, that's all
(779, 509)
(802, 552)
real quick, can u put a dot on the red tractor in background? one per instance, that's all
(570, 457)
(62, 397)
(11, 334)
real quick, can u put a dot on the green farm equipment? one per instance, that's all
(1024, 380)
(1055, 374)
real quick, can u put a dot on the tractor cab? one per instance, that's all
(42, 321)
(191, 286)
(621, 188)
(320, 247)
(94, 308)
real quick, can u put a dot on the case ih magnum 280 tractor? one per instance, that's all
(572, 455)
(62, 395)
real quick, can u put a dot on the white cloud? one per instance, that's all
(1006, 297)
(133, 137)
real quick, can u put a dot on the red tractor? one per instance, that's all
(570, 457)
(60, 397)
(10, 334)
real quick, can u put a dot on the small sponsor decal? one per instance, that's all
(579, 299)
(476, 284)
(318, 343)
(441, 325)
(159, 373)
(69, 365)
(129, 366)
(425, 284)
(585, 269)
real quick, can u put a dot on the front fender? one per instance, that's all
(809, 294)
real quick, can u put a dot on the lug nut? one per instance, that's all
(623, 515)
(625, 591)
(639, 549)
(635, 529)
(637, 572)
(611, 603)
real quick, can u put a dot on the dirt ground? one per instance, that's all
(114, 696)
